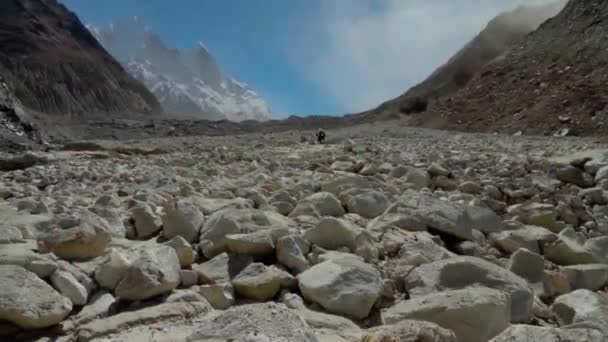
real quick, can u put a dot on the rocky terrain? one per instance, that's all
(189, 84)
(496, 38)
(383, 234)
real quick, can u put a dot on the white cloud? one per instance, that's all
(363, 52)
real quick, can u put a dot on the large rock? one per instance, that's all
(474, 314)
(185, 252)
(88, 240)
(209, 206)
(368, 204)
(182, 218)
(10, 235)
(112, 269)
(254, 322)
(419, 178)
(26, 256)
(221, 269)
(598, 246)
(292, 251)
(574, 175)
(527, 265)
(582, 306)
(530, 333)
(591, 276)
(155, 272)
(528, 237)
(417, 211)
(333, 233)
(237, 221)
(537, 214)
(602, 173)
(112, 216)
(323, 203)
(325, 325)
(80, 275)
(100, 305)
(346, 287)
(220, 296)
(184, 295)
(68, 286)
(461, 272)
(254, 244)
(342, 184)
(257, 282)
(483, 219)
(409, 331)
(151, 318)
(29, 302)
(147, 223)
(567, 250)
(421, 244)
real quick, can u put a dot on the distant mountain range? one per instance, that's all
(188, 84)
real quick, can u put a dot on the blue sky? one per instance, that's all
(313, 56)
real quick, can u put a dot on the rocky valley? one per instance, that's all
(385, 233)
(125, 216)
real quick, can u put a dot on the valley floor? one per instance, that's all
(383, 232)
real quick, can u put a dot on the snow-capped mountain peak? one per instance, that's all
(190, 84)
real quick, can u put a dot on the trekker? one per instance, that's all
(320, 136)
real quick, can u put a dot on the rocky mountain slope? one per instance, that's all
(384, 234)
(53, 65)
(189, 84)
(552, 81)
(498, 37)
(15, 130)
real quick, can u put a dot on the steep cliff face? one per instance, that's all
(54, 65)
(497, 38)
(190, 84)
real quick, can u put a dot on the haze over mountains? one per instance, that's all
(190, 84)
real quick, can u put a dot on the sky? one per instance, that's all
(322, 57)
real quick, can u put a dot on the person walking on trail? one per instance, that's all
(320, 136)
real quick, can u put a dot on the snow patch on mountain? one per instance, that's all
(190, 84)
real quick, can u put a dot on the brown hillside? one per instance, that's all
(555, 80)
(498, 36)
(53, 65)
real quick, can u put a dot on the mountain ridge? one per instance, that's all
(188, 83)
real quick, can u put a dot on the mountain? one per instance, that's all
(189, 84)
(15, 132)
(52, 64)
(553, 81)
(497, 37)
